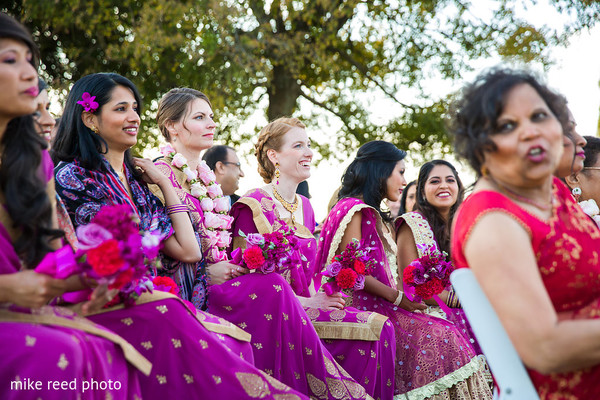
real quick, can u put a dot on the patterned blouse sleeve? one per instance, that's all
(80, 194)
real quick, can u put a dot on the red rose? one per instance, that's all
(346, 278)
(359, 267)
(165, 284)
(407, 274)
(123, 279)
(253, 257)
(430, 288)
(106, 258)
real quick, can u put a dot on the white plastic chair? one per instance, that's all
(504, 362)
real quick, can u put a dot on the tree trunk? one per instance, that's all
(283, 92)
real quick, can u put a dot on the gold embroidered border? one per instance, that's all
(262, 223)
(421, 230)
(339, 233)
(131, 354)
(226, 327)
(463, 373)
(369, 331)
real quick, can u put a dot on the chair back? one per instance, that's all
(504, 362)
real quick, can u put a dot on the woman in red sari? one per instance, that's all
(531, 247)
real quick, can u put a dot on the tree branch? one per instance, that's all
(325, 107)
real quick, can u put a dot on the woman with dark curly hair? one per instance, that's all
(531, 247)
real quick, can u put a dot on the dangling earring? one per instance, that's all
(94, 129)
(576, 192)
(484, 171)
(277, 173)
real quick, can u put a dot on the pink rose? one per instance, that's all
(217, 255)
(224, 238)
(198, 190)
(207, 204)
(206, 175)
(212, 238)
(92, 235)
(212, 220)
(225, 221)
(190, 174)
(167, 149)
(222, 204)
(179, 160)
(214, 190)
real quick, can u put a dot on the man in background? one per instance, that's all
(227, 168)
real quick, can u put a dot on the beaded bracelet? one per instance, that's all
(399, 298)
(176, 208)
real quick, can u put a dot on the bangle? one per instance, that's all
(176, 208)
(398, 298)
(453, 301)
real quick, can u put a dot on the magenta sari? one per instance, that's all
(187, 347)
(54, 344)
(433, 359)
(301, 359)
(423, 235)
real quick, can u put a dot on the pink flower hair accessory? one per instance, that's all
(88, 103)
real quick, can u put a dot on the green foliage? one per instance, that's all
(335, 54)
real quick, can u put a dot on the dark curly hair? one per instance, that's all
(440, 227)
(475, 114)
(367, 174)
(21, 184)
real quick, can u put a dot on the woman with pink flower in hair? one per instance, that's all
(185, 119)
(360, 344)
(433, 359)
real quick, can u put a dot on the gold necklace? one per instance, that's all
(121, 176)
(291, 207)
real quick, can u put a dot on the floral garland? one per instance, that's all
(215, 207)
(591, 208)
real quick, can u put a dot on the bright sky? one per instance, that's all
(576, 74)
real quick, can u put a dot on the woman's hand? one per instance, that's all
(321, 300)
(150, 172)
(223, 271)
(100, 296)
(411, 306)
(30, 289)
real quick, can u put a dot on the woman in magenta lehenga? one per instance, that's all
(433, 359)
(439, 193)
(42, 344)
(189, 359)
(361, 342)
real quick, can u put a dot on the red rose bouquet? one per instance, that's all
(270, 252)
(348, 269)
(427, 276)
(111, 250)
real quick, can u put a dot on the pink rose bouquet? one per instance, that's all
(347, 270)
(427, 276)
(113, 251)
(270, 252)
